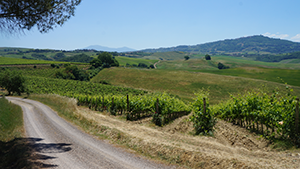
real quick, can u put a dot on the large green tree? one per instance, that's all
(19, 15)
(105, 59)
(13, 82)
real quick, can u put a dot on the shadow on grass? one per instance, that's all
(27, 153)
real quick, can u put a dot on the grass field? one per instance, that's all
(184, 83)
(166, 56)
(124, 60)
(239, 67)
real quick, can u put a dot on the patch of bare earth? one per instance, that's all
(231, 147)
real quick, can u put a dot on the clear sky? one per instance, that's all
(141, 24)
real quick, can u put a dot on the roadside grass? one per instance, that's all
(124, 60)
(14, 151)
(184, 83)
(11, 120)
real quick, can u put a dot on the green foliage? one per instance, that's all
(222, 66)
(83, 58)
(25, 14)
(186, 57)
(72, 72)
(142, 65)
(204, 121)
(276, 58)
(107, 60)
(207, 57)
(271, 115)
(95, 63)
(59, 56)
(13, 82)
(104, 60)
(139, 106)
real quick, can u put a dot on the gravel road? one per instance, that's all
(62, 145)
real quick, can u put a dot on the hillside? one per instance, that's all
(256, 44)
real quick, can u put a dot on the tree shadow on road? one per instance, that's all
(28, 153)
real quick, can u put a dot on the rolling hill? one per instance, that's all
(256, 44)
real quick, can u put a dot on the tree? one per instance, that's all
(13, 82)
(105, 60)
(19, 15)
(207, 57)
(186, 57)
(72, 72)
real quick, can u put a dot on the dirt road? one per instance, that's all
(61, 145)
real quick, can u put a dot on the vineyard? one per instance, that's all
(162, 107)
(273, 116)
(43, 85)
(15, 61)
(135, 104)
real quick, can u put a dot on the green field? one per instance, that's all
(26, 52)
(167, 56)
(124, 60)
(15, 61)
(247, 62)
(183, 83)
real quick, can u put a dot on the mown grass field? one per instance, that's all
(124, 60)
(184, 83)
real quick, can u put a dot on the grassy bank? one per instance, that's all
(14, 150)
(11, 120)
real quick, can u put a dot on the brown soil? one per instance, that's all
(231, 146)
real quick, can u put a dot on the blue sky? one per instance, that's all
(141, 24)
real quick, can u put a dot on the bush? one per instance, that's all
(222, 66)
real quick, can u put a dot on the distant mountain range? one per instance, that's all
(256, 44)
(107, 49)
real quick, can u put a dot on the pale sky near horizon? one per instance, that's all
(141, 24)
